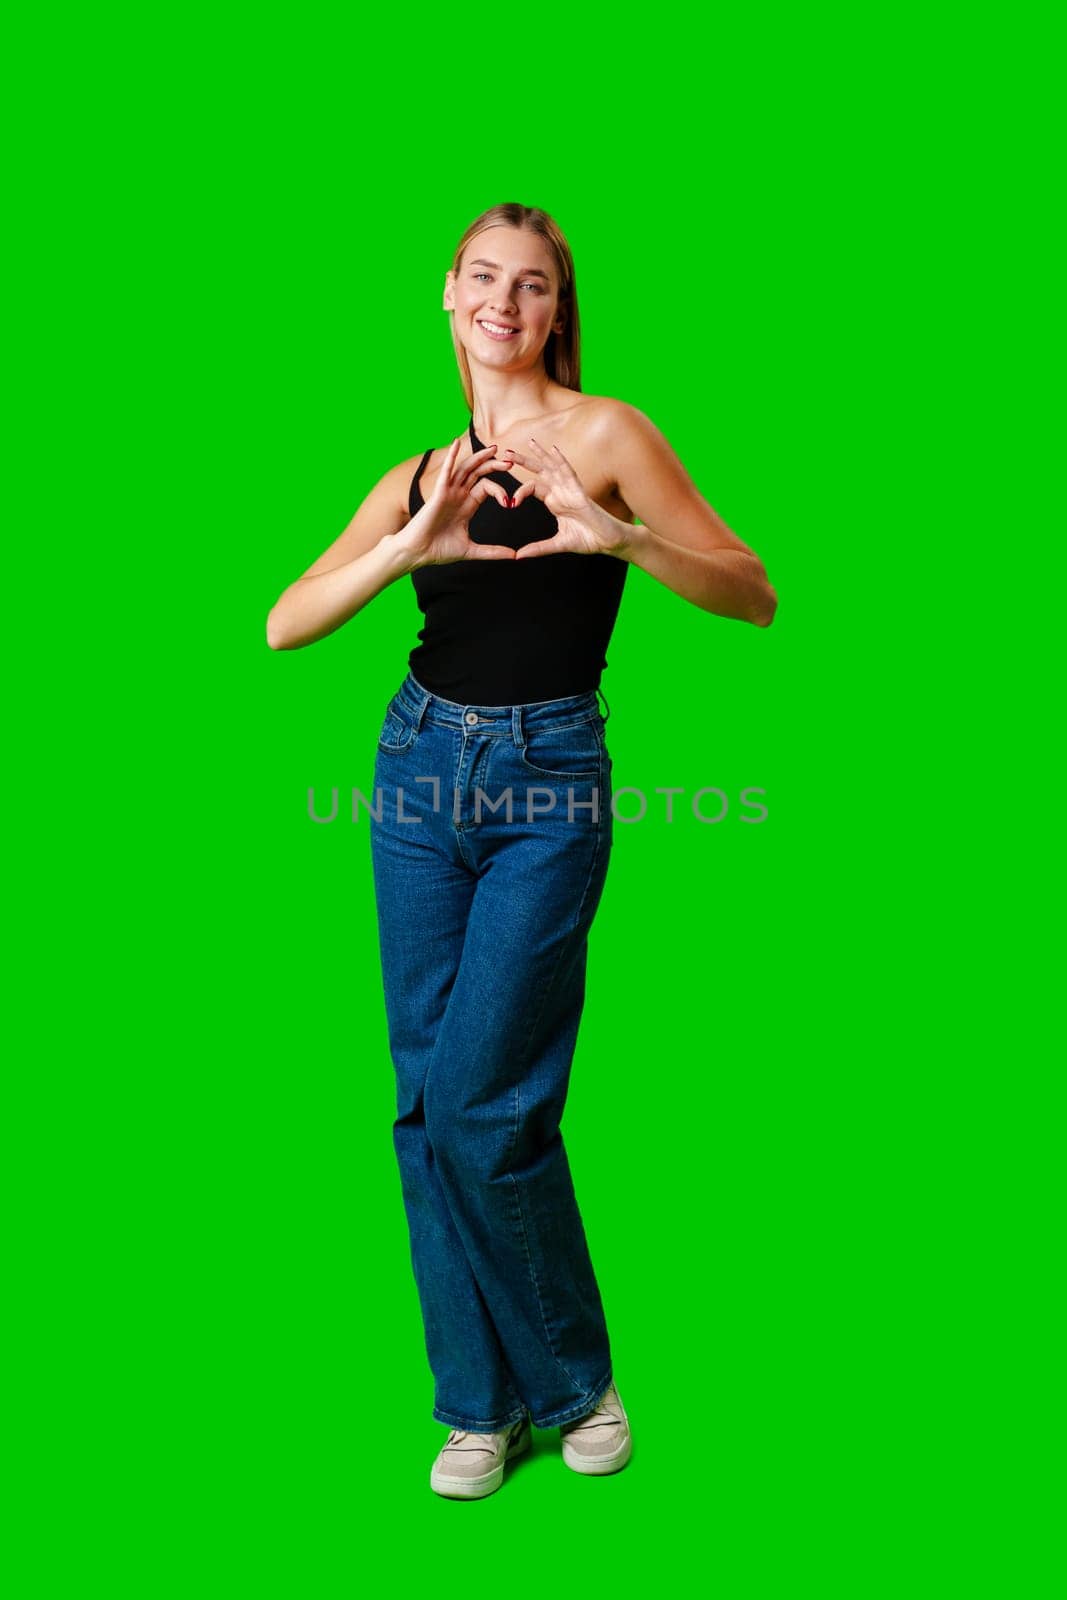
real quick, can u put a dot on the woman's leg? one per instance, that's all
(424, 893)
(497, 1081)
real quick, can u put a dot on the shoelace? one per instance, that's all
(456, 1434)
(601, 1417)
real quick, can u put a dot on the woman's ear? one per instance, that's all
(448, 303)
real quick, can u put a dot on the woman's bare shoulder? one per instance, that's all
(604, 412)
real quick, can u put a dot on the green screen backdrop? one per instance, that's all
(796, 1118)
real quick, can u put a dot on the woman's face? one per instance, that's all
(508, 280)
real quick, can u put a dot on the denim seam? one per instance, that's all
(514, 1138)
(523, 1058)
(477, 1424)
(536, 1281)
(597, 848)
(580, 1407)
(410, 727)
(502, 725)
(556, 726)
(547, 772)
(559, 777)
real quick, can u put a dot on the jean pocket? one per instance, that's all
(397, 731)
(572, 751)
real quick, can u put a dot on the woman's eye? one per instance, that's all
(536, 286)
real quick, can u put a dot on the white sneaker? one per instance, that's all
(600, 1442)
(470, 1465)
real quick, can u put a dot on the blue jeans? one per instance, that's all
(488, 870)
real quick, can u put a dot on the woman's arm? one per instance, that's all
(359, 564)
(684, 544)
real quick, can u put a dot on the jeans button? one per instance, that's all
(471, 716)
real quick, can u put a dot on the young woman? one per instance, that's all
(495, 828)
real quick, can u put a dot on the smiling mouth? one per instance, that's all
(497, 330)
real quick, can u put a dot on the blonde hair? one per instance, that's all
(562, 354)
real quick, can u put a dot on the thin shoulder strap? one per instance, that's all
(415, 493)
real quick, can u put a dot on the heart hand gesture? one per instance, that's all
(584, 527)
(438, 532)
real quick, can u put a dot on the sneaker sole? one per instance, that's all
(454, 1488)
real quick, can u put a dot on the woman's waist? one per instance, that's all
(423, 703)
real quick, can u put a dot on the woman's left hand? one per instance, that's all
(585, 528)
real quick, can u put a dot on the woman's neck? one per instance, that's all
(500, 407)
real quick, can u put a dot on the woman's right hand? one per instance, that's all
(438, 533)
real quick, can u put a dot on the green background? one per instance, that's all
(806, 1120)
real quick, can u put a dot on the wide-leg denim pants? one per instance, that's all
(491, 829)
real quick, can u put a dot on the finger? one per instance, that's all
(481, 474)
(441, 482)
(482, 484)
(475, 456)
(499, 494)
(538, 448)
(444, 476)
(490, 552)
(543, 547)
(524, 492)
(474, 464)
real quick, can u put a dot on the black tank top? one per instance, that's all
(505, 632)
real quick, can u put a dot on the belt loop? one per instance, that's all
(607, 708)
(516, 726)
